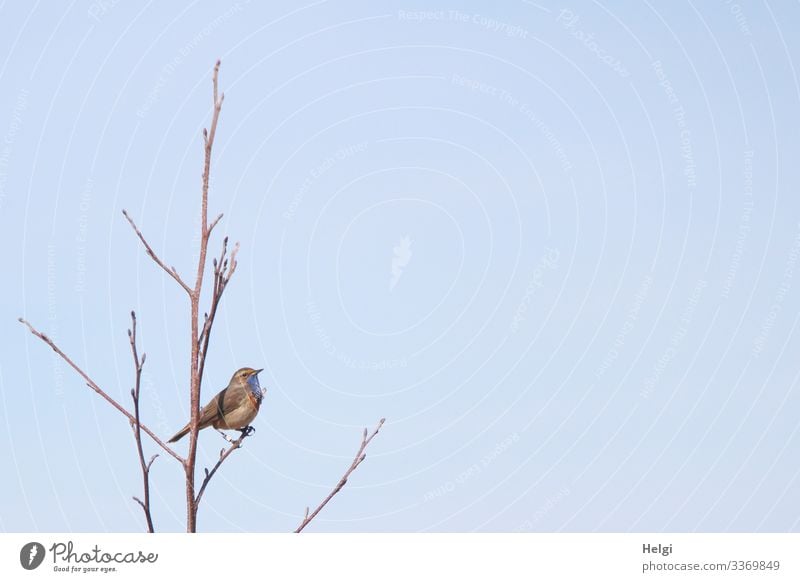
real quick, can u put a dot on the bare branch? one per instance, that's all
(223, 454)
(150, 462)
(198, 364)
(215, 296)
(91, 384)
(357, 460)
(214, 223)
(221, 278)
(137, 427)
(170, 270)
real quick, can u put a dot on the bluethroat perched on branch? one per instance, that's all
(234, 408)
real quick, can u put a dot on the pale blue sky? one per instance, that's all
(557, 246)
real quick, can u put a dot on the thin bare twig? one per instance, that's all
(91, 384)
(223, 271)
(359, 458)
(214, 223)
(223, 454)
(170, 270)
(137, 426)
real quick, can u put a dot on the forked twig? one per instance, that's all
(91, 384)
(223, 271)
(137, 427)
(151, 253)
(359, 458)
(223, 454)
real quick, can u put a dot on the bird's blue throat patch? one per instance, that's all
(255, 387)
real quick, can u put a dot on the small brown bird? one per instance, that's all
(234, 408)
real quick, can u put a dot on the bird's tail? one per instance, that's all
(180, 434)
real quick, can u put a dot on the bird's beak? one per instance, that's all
(257, 372)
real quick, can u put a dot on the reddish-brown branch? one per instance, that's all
(357, 460)
(91, 384)
(138, 364)
(170, 270)
(196, 369)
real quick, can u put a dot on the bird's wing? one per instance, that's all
(211, 411)
(233, 398)
(226, 400)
